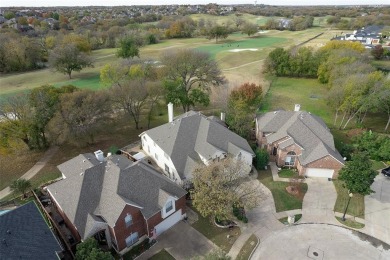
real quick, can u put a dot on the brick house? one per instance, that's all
(300, 140)
(191, 139)
(116, 200)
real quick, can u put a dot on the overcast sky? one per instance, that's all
(37, 3)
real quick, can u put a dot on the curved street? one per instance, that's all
(319, 241)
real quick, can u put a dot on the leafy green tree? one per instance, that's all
(21, 185)
(89, 250)
(220, 185)
(128, 48)
(69, 58)
(249, 29)
(9, 15)
(278, 62)
(358, 175)
(375, 145)
(188, 77)
(262, 158)
(217, 32)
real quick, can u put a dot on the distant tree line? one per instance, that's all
(297, 23)
(355, 86)
(133, 89)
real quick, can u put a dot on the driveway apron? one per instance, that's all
(319, 201)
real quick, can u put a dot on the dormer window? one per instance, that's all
(128, 220)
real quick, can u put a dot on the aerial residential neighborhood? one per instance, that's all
(194, 130)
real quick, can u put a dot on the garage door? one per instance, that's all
(316, 172)
(168, 222)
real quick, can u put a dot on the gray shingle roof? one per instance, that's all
(192, 134)
(104, 189)
(305, 129)
(29, 236)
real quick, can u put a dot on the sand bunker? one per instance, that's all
(238, 50)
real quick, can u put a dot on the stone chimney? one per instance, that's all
(170, 112)
(223, 116)
(99, 155)
(297, 107)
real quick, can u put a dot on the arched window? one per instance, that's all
(290, 159)
(128, 220)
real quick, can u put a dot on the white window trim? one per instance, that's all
(164, 213)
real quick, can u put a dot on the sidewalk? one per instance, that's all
(34, 170)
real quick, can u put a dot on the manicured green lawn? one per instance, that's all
(249, 43)
(248, 247)
(309, 93)
(92, 82)
(162, 255)
(356, 206)
(217, 235)
(283, 200)
(289, 173)
(351, 223)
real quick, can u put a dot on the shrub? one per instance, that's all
(262, 158)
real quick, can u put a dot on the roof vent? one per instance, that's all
(99, 155)
(83, 160)
(81, 174)
(9, 232)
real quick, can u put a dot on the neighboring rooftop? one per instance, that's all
(306, 130)
(24, 234)
(192, 135)
(99, 193)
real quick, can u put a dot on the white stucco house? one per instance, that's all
(180, 145)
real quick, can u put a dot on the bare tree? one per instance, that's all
(81, 113)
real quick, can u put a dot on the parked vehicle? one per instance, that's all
(386, 171)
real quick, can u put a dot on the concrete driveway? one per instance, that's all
(377, 209)
(319, 241)
(319, 200)
(182, 241)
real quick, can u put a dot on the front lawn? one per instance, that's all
(248, 247)
(289, 173)
(283, 200)
(356, 206)
(218, 236)
(162, 255)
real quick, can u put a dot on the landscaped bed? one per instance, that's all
(224, 238)
(350, 223)
(283, 200)
(285, 219)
